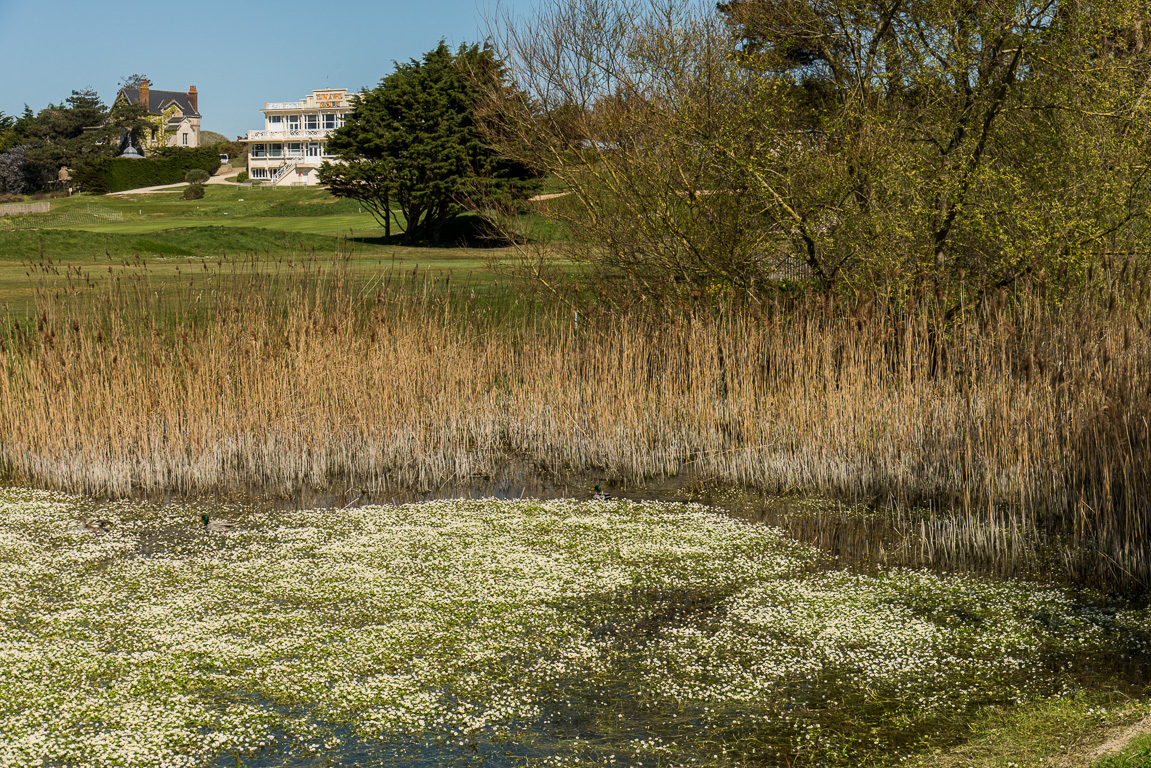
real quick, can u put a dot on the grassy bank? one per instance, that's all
(1088, 729)
(1020, 421)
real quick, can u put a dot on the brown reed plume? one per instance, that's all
(1019, 417)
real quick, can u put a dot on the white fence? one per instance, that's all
(89, 214)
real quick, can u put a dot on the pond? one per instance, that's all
(504, 632)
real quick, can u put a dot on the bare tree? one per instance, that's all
(628, 105)
(969, 143)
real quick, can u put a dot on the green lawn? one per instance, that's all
(311, 211)
(99, 237)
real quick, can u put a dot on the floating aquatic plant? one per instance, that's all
(495, 633)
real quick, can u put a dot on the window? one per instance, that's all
(293, 122)
(275, 150)
(184, 138)
(295, 149)
(276, 120)
(259, 150)
(329, 122)
(313, 149)
(312, 122)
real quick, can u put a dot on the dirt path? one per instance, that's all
(1116, 740)
(219, 178)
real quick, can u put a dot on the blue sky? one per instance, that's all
(238, 54)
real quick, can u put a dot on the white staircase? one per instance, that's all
(283, 171)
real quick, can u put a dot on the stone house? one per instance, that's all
(175, 115)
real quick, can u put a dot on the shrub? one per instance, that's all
(10, 198)
(196, 176)
(169, 165)
(16, 175)
(194, 192)
(91, 175)
(242, 176)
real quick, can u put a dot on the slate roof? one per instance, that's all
(158, 100)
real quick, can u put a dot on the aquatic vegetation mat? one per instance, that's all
(495, 633)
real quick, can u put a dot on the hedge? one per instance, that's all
(167, 166)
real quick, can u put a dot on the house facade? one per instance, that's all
(293, 143)
(174, 115)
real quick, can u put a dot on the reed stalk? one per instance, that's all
(1022, 416)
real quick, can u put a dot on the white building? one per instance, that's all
(293, 144)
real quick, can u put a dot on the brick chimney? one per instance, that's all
(194, 99)
(144, 94)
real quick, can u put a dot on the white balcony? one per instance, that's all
(283, 105)
(286, 134)
(264, 161)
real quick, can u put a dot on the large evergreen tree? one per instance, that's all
(413, 142)
(65, 133)
(7, 122)
(57, 136)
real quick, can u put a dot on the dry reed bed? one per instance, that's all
(1016, 418)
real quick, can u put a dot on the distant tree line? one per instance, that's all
(34, 146)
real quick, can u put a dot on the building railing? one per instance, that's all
(283, 105)
(288, 133)
(265, 161)
(283, 171)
